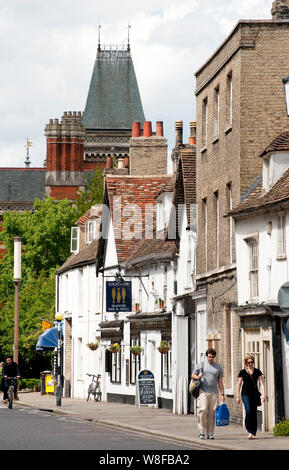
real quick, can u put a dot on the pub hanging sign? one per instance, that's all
(118, 296)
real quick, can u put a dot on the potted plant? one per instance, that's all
(114, 348)
(136, 350)
(164, 347)
(161, 303)
(92, 346)
(137, 307)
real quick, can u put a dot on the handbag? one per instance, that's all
(195, 385)
(222, 415)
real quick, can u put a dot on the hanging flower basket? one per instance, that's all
(114, 348)
(136, 350)
(164, 347)
(92, 346)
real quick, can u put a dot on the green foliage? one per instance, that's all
(92, 194)
(281, 428)
(30, 384)
(45, 237)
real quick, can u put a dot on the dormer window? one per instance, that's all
(74, 242)
(274, 166)
(163, 210)
(90, 231)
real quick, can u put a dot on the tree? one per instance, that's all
(45, 237)
(92, 194)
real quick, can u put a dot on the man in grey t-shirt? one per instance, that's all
(212, 379)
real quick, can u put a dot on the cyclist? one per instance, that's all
(10, 369)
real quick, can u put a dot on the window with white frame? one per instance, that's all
(230, 220)
(253, 267)
(229, 99)
(74, 242)
(79, 359)
(166, 370)
(90, 228)
(217, 224)
(205, 230)
(205, 122)
(134, 361)
(281, 240)
(216, 113)
(116, 367)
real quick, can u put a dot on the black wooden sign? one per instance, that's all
(118, 296)
(146, 388)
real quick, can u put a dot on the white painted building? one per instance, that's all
(262, 254)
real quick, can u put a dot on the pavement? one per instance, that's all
(154, 422)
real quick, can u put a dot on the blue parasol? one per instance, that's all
(47, 341)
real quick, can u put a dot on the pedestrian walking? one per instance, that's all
(211, 375)
(249, 379)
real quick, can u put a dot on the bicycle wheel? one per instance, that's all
(10, 397)
(89, 391)
(97, 394)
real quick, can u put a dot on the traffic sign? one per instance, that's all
(283, 297)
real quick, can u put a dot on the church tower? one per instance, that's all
(81, 142)
(280, 10)
(113, 104)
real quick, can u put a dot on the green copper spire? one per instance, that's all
(113, 100)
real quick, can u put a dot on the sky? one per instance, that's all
(48, 49)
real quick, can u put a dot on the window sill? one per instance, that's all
(203, 150)
(229, 392)
(229, 129)
(216, 140)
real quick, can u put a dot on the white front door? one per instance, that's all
(258, 342)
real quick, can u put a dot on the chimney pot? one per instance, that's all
(147, 129)
(179, 132)
(136, 129)
(159, 128)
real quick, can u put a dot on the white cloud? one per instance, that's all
(47, 52)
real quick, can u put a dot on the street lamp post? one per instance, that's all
(286, 89)
(17, 282)
(58, 393)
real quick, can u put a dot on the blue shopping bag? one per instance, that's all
(222, 415)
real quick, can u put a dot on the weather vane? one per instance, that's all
(27, 160)
(99, 28)
(128, 38)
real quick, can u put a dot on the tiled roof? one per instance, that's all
(93, 213)
(281, 143)
(85, 256)
(257, 200)
(152, 250)
(185, 189)
(132, 190)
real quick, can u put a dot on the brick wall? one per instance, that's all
(148, 155)
(255, 57)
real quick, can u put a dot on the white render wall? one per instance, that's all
(79, 299)
(272, 272)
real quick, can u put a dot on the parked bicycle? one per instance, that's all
(11, 390)
(94, 387)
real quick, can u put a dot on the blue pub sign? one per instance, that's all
(118, 296)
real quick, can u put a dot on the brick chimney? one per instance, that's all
(280, 10)
(148, 152)
(65, 155)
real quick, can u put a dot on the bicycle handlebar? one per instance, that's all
(92, 375)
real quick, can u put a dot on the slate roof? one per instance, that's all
(131, 190)
(21, 184)
(113, 100)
